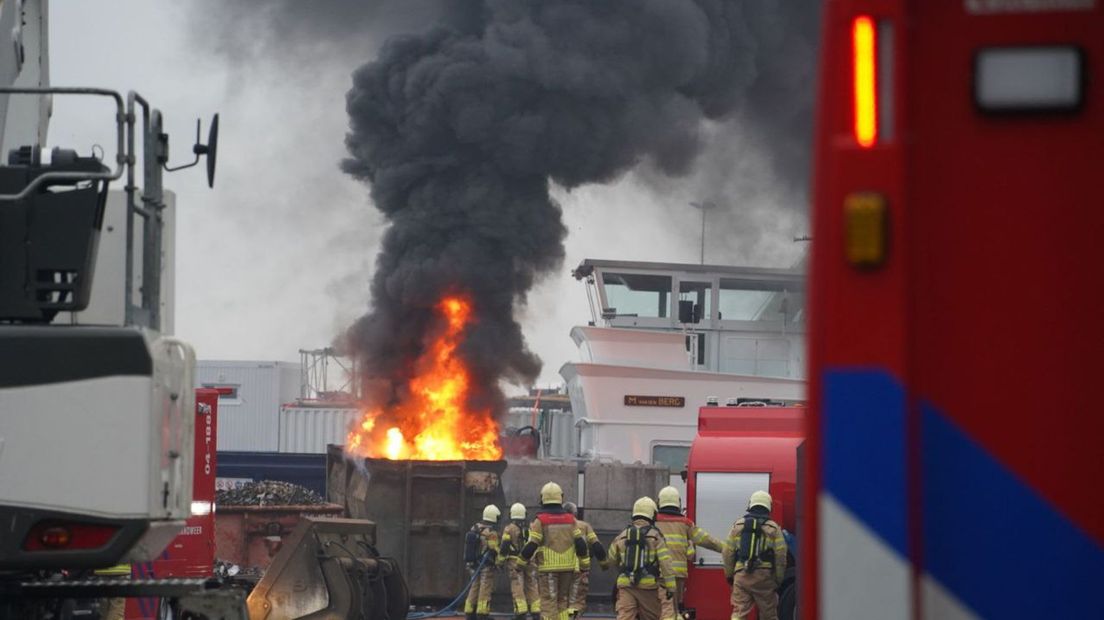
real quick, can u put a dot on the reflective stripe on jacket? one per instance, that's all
(682, 535)
(657, 556)
(772, 540)
(559, 542)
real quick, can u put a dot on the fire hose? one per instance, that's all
(451, 607)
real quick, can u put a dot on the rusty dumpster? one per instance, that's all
(250, 536)
(421, 510)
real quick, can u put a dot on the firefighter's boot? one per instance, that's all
(519, 616)
(471, 616)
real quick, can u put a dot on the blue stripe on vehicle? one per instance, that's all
(996, 544)
(863, 426)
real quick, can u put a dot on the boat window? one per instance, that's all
(719, 500)
(740, 300)
(644, 295)
(671, 457)
(695, 300)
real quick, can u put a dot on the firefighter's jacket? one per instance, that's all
(488, 540)
(557, 541)
(655, 560)
(514, 537)
(597, 551)
(683, 536)
(768, 551)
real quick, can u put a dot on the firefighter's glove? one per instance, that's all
(669, 594)
(728, 579)
(471, 566)
(604, 564)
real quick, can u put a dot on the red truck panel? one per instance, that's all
(950, 384)
(192, 553)
(748, 440)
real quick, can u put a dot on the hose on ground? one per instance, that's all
(451, 607)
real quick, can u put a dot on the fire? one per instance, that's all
(433, 423)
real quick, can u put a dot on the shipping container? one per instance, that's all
(308, 470)
(308, 430)
(250, 395)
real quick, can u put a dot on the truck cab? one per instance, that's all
(739, 450)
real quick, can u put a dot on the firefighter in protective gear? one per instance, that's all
(683, 536)
(755, 560)
(644, 566)
(478, 604)
(558, 544)
(523, 575)
(580, 587)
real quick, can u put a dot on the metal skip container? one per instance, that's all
(421, 510)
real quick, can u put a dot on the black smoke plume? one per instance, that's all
(461, 129)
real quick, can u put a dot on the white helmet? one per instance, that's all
(517, 511)
(669, 496)
(760, 498)
(551, 493)
(491, 513)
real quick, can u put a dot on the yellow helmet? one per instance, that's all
(669, 496)
(760, 498)
(491, 513)
(551, 493)
(517, 511)
(644, 507)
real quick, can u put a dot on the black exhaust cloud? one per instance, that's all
(461, 127)
(460, 130)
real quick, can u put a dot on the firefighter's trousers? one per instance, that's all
(479, 596)
(671, 606)
(633, 603)
(580, 587)
(523, 586)
(555, 594)
(755, 589)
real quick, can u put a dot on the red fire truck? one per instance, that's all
(956, 334)
(192, 552)
(739, 450)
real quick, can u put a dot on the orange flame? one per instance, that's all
(433, 423)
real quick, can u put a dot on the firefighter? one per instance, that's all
(682, 536)
(755, 560)
(644, 566)
(523, 575)
(561, 546)
(480, 553)
(580, 587)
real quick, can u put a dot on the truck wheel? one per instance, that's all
(787, 603)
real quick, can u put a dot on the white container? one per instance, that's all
(249, 411)
(308, 430)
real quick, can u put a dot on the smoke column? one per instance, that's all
(460, 131)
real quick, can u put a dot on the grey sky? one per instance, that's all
(279, 255)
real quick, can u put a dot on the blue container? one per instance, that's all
(308, 470)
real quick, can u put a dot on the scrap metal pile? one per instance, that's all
(268, 493)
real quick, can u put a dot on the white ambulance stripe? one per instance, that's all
(860, 575)
(940, 604)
